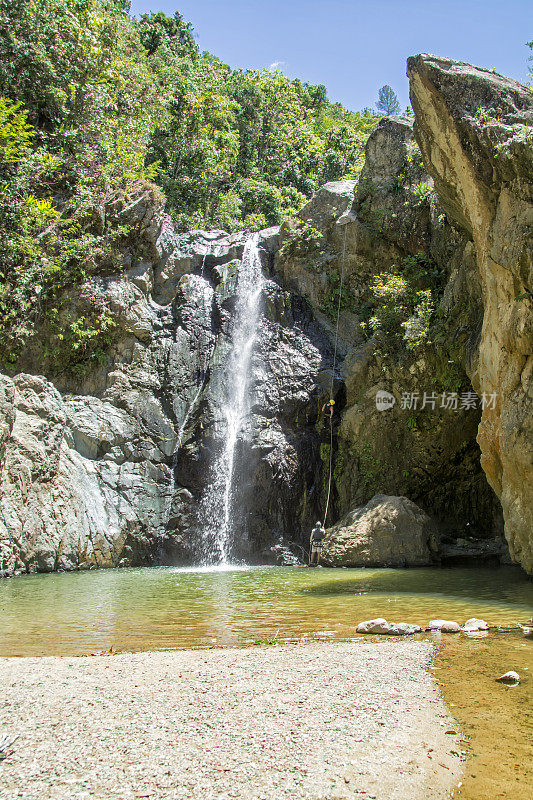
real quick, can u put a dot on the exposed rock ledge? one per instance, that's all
(475, 131)
(108, 469)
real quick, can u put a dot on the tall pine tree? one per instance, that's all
(387, 101)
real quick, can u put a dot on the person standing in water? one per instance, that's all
(316, 543)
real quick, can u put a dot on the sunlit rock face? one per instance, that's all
(108, 469)
(475, 131)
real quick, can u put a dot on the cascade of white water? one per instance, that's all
(219, 501)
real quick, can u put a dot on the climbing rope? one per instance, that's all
(331, 399)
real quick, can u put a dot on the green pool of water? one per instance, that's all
(139, 609)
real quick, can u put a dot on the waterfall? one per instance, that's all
(219, 502)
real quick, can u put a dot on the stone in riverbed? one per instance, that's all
(475, 625)
(373, 626)
(444, 625)
(402, 629)
(381, 625)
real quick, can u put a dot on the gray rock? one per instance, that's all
(388, 531)
(402, 629)
(474, 550)
(7, 411)
(386, 151)
(378, 625)
(474, 624)
(330, 201)
(96, 427)
(269, 239)
(444, 625)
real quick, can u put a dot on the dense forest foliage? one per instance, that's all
(93, 101)
(135, 98)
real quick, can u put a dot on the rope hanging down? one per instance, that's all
(342, 221)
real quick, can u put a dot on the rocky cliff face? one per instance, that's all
(396, 229)
(475, 130)
(108, 468)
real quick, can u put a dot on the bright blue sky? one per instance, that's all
(355, 46)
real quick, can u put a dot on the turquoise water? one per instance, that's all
(160, 608)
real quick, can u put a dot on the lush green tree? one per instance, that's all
(95, 105)
(387, 102)
(79, 104)
(157, 30)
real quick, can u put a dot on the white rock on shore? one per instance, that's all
(511, 678)
(475, 625)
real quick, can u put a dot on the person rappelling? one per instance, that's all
(328, 408)
(316, 543)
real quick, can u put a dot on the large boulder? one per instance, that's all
(386, 532)
(475, 129)
(386, 152)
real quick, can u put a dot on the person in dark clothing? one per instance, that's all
(328, 408)
(317, 540)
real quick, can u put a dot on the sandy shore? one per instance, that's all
(328, 721)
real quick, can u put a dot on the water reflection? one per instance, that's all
(161, 608)
(511, 583)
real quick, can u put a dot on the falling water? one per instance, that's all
(218, 505)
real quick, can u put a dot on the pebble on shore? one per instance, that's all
(475, 625)
(444, 625)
